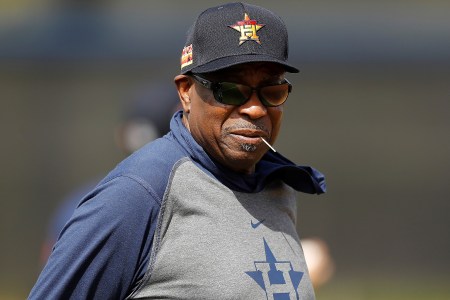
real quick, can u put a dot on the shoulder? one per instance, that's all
(150, 167)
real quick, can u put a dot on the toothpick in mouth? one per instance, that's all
(270, 146)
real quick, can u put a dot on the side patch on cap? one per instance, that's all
(186, 56)
(248, 29)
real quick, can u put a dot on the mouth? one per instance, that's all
(249, 136)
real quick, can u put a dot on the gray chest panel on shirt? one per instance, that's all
(214, 243)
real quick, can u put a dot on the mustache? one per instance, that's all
(247, 126)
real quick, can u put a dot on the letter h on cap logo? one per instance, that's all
(248, 29)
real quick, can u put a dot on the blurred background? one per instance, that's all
(370, 109)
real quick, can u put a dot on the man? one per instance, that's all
(206, 212)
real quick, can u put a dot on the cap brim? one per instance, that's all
(226, 62)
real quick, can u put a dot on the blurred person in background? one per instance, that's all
(318, 257)
(143, 119)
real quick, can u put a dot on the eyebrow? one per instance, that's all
(236, 78)
(236, 72)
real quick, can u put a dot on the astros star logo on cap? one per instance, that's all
(248, 29)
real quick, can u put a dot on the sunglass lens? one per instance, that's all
(234, 94)
(275, 94)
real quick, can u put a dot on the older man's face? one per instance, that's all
(232, 134)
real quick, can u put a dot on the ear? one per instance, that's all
(184, 85)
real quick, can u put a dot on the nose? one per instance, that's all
(253, 108)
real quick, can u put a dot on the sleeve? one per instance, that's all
(104, 249)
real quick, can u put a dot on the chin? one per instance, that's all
(248, 147)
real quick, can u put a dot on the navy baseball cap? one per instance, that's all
(235, 33)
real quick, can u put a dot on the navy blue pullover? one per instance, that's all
(104, 251)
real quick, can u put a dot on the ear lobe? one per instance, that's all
(184, 85)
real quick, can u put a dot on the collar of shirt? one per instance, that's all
(273, 166)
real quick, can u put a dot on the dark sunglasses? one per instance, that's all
(237, 94)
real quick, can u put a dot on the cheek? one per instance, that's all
(209, 118)
(276, 116)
